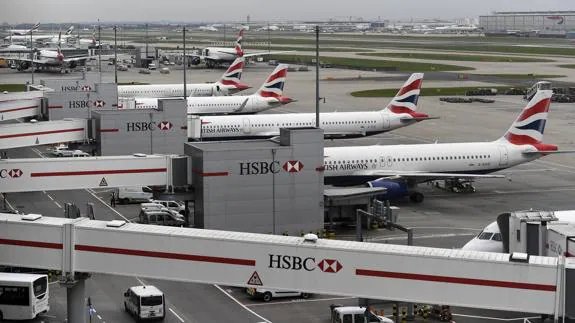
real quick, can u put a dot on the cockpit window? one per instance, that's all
(484, 236)
(497, 237)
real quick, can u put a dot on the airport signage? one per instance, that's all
(79, 104)
(272, 167)
(139, 126)
(307, 264)
(10, 173)
(75, 88)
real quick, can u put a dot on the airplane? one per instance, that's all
(400, 168)
(490, 238)
(38, 38)
(207, 28)
(20, 32)
(269, 95)
(47, 59)
(400, 112)
(215, 56)
(228, 84)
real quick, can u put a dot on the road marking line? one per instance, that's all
(99, 317)
(242, 305)
(58, 205)
(302, 301)
(496, 318)
(50, 197)
(176, 315)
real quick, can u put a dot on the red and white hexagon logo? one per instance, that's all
(15, 173)
(86, 88)
(329, 266)
(293, 166)
(165, 125)
(99, 103)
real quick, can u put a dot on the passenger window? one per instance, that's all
(358, 318)
(347, 318)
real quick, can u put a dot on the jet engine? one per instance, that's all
(396, 189)
(73, 64)
(24, 65)
(195, 60)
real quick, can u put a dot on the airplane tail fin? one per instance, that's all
(69, 31)
(274, 85)
(34, 28)
(233, 75)
(528, 128)
(405, 101)
(239, 50)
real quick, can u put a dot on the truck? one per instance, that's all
(354, 314)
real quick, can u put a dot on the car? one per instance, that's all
(122, 67)
(144, 71)
(152, 66)
(165, 70)
(268, 294)
(177, 206)
(79, 153)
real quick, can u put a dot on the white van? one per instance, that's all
(145, 302)
(134, 194)
(268, 294)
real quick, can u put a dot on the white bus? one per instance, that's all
(23, 296)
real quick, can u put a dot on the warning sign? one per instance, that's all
(103, 182)
(37, 141)
(255, 279)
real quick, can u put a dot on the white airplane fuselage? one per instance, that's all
(220, 105)
(173, 90)
(334, 124)
(220, 54)
(349, 163)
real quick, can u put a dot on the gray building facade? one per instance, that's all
(80, 101)
(260, 186)
(148, 131)
(537, 22)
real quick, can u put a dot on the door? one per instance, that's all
(503, 155)
(389, 161)
(382, 162)
(385, 120)
(247, 128)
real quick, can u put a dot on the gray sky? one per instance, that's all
(18, 11)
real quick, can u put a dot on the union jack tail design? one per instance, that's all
(69, 31)
(59, 55)
(529, 126)
(405, 101)
(239, 50)
(274, 85)
(233, 75)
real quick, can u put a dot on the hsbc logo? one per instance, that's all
(148, 126)
(307, 264)
(264, 167)
(293, 166)
(10, 173)
(86, 88)
(99, 103)
(165, 125)
(74, 88)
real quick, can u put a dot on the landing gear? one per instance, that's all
(416, 197)
(210, 64)
(456, 185)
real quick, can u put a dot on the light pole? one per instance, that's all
(185, 82)
(115, 56)
(317, 76)
(32, 53)
(100, 50)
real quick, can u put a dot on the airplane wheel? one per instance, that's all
(416, 197)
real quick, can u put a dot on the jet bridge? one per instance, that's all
(369, 270)
(37, 174)
(20, 105)
(42, 133)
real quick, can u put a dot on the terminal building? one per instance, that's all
(530, 23)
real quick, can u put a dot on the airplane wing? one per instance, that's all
(417, 119)
(425, 176)
(547, 152)
(242, 106)
(76, 59)
(266, 53)
(36, 61)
